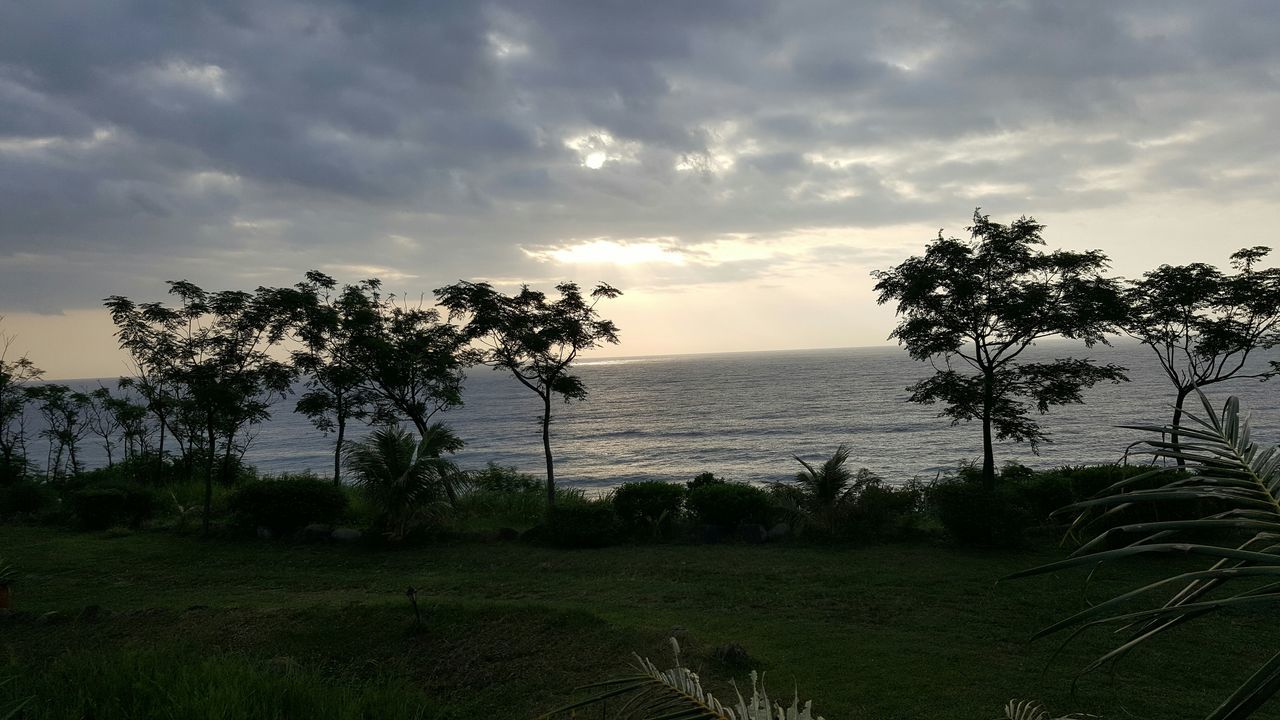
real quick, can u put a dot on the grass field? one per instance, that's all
(894, 631)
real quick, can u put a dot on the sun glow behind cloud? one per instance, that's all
(611, 252)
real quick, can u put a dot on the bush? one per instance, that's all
(974, 516)
(883, 512)
(729, 505)
(495, 478)
(706, 478)
(648, 505)
(589, 524)
(1044, 493)
(102, 507)
(26, 498)
(287, 504)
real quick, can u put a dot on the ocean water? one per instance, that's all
(744, 415)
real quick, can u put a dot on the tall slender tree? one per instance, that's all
(410, 365)
(16, 375)
(980, 304)
(534, 338)
(215, 347)
(336, 390)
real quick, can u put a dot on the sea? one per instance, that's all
(748, 415)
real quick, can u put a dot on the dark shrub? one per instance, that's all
(498, 479)
(1044, 493)
(102, 507)
(706, 478)
(884, 511)
(26, 498)
(974, 516)
(648, 506)
(581, 525)
(288, 504)
(729, 504)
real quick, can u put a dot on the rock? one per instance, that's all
(346, 535)
(753, 533)
(265, 533)
(779, 531)
(317, 532)
(507, 534)
(53, 617)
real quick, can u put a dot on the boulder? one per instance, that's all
(779, 531)
(317, 532)
(346, 535)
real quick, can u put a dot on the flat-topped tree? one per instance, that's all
(410, 363)
(981, 303)
(1203, 325)
(535, 338)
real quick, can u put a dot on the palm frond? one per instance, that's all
(677, 694)
(1032, 710)
(1224, 507)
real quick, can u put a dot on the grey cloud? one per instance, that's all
(143, 140)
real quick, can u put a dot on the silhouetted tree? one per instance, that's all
(15, 376)
(409, 364)
(215, 350)
(1203, 325)
(65, 414)
(336, 390)
(103, 420)
(535, 339)
(984, 302)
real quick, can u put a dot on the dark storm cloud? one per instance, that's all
(241, 142)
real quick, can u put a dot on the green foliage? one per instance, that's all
(1236, 534)
(649, 507)
(589, 524)
(706, 478)
(677, 693)
(102, 507)
(148, 685)
(981, 304)
(405, 477)
(498, 479)
(883, 512)
(287, 504)
(7, 574)
(729, 505)
(27, 498)
(978, 516)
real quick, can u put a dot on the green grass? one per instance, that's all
(895, 631)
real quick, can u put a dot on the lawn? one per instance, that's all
(892, 631)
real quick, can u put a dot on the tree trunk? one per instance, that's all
(546, 448)
(988, 451)
(208, 479)
(160, 455)
(1183, 392)
(337, 450)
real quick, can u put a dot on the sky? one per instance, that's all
(736, 168)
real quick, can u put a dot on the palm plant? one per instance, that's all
(819, 492)
(677, 694)
(404, 476)
(1233, 485)
(1032, 710)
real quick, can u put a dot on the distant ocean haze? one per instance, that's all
(744, 415)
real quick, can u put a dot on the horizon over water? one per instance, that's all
(742, 415)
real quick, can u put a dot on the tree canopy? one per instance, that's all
(975, 306)
(535, 338)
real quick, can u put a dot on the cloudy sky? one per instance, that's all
(737, 168)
